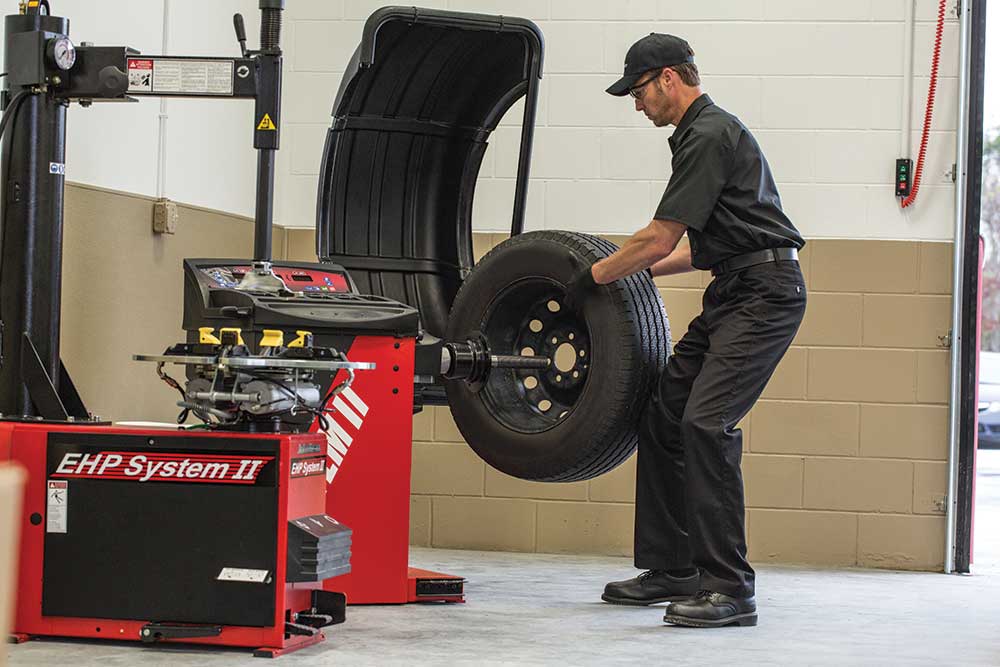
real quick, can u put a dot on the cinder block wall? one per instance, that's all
(820, 84)
(844, 455)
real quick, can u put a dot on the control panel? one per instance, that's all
(323, 299)
(296, 279)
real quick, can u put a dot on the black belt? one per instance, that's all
(754, 258)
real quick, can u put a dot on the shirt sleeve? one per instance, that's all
(700, 171)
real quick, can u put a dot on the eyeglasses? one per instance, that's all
(637, 91)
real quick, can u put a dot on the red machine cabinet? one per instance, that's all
(151, 552)
(369, 452)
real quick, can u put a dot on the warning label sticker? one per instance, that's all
(266, 123)
(140, 75)
(182, 77)
(57, 506)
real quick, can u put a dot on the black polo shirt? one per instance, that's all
(722, 189)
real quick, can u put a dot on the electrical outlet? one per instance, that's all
(164, 217)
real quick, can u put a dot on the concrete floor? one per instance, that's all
(538, 609)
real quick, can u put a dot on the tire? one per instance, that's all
(596, 389)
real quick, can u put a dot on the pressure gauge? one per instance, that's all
(62, 52)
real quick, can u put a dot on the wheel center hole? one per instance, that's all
(565, 357)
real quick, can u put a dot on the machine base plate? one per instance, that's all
(430, 586)
(294, 644)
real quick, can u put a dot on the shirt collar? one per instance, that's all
(692, 112)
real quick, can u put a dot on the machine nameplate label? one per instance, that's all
(57, 506)
(315, 465)
(243, 574)
(162, 467)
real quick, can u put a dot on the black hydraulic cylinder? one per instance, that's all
(31, 212)
(265, 206)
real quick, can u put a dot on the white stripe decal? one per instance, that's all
(341, 433)
(334, 454)
(334, 441)
(351, 415)
(355, 400)
(337, 439)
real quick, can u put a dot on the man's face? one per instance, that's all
(655, 94)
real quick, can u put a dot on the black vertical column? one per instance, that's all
(267, 135)
(968, 422)
(31, 214)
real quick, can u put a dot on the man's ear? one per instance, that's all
(667, 75)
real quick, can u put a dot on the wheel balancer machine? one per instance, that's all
(292, 498)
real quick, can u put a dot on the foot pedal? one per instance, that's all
(314, 620)
(329, 604)
(299, 629)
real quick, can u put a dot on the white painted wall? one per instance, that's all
(210, 160)
(818, 82)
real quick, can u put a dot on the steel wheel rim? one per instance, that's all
(529, 317)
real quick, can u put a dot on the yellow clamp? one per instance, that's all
(239, 335)
(272, 338)
(303, 338)
(205, 336)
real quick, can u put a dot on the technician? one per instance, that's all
(690, 535)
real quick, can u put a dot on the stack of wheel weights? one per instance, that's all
(318, 548)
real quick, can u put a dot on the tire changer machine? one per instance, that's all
(291, 498)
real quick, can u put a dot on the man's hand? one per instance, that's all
(580, 285)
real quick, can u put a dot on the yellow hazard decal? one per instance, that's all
(266, 123)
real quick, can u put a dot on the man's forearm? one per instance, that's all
(679, 261)
(646, 247)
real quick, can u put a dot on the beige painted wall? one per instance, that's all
(845, 456)
(123, 293)
(844, 462)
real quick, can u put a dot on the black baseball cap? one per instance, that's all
(652, 51)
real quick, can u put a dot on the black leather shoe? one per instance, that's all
(712, 610)
(650, 587)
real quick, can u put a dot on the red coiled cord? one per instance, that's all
(935, 61)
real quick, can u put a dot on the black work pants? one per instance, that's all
(689, 487)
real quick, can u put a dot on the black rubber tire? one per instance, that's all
(629, 342)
